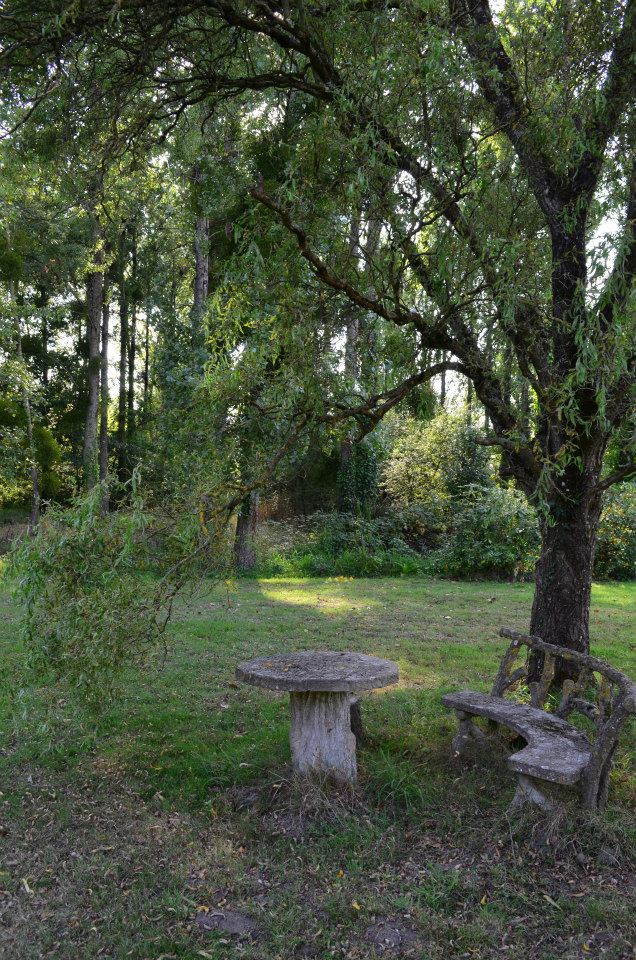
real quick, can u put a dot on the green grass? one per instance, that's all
(179, 796)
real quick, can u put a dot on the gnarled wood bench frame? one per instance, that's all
(555, 751)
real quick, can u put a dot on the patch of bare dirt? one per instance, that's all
(392, 937)
(232, 922)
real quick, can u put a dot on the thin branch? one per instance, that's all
(322, 271)
(619, 87)
(623, 473)
(500, 86)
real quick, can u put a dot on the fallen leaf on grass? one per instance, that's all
(551, 901)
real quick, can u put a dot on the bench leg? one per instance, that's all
(467, 731)
(530, 791)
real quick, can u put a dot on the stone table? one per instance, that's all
(320, 684)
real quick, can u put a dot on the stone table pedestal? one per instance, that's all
(321, 684)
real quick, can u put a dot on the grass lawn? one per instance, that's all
(125, 836)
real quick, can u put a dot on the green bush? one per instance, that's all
(494, 534)
(616, 542)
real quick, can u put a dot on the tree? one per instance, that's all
(575, 351)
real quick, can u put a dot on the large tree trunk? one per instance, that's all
(561, 607)
(244, 550)
(94, 299)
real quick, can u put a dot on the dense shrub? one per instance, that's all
(616, 542)
(488, 532)
(494, 533)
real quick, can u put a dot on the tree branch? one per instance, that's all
(500, 86)
(623, 473)
(620, 282)
(620, 84)
(370, 411)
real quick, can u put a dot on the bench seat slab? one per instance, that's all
(556, 751)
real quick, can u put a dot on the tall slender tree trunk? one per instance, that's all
(201, 268)
(506, 469)
(104, 396)
(146, 369)
(130, 394)
(351, 371)
(43, 303)
(442, 380)
(524, 406)
(132, 351)
(246, 522)
(34, 516)
(94, 289)
(122, 403)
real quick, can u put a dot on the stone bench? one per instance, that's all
(556, 752)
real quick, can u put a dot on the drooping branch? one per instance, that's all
(320, 269)
(621, 280)
(500, 86)
(521, 329)
(620, 85)
(449, 332)
(354, 114)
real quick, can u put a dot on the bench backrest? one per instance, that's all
(615, 695)
(612, 687)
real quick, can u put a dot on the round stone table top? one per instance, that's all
(327, 671)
